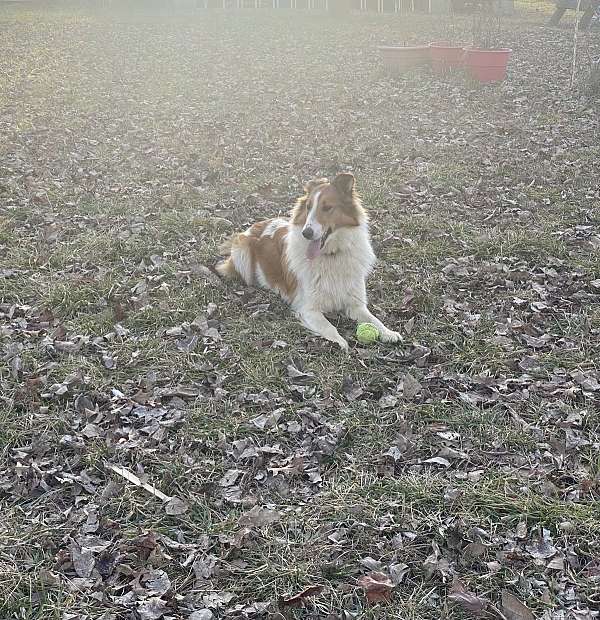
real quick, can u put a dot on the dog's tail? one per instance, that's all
(225, 247)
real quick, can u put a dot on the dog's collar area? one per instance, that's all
(325, 237)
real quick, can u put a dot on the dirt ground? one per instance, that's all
(454, 476)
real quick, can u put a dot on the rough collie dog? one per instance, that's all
(317, 260)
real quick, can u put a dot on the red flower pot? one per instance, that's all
(487, 65)
(399, 59)
(445, 56)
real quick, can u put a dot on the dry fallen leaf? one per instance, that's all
(556, 563)
(201, 614)
(513, 609)
(152, 608)
(204, 567)
(468, 600)
(259, 517)
(83, 560)
(157, 582)
(299, 377)
(473, 550)
(267, 421)
(353, 391)
(398, 572)
(176, 506)
(410, 386)
(371, 564)
(377, 586)
(230, 477)
(438, 460)
(435, 563)
(298, 599)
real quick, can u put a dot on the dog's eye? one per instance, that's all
(326, 208)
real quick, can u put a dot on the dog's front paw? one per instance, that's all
(343, 345)
(390, 336)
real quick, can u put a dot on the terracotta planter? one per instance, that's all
(487, 65)
(401, 59)
(446, 56)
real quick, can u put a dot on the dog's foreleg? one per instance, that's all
(361, 314)
(317, 323)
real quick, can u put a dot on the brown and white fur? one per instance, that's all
(317, 260)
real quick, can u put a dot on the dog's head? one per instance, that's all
(326, 208)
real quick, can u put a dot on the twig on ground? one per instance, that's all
(131, 477)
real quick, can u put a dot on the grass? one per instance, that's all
(137, 144)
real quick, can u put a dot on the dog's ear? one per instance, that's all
(308, 187)
(344, 183)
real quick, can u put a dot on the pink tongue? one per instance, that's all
(313, 250)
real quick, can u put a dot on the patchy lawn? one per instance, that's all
(463, 466)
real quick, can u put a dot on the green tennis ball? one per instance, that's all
(367, 333)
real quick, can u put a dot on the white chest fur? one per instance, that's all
(335, 280)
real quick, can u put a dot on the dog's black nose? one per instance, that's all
(307, 232)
